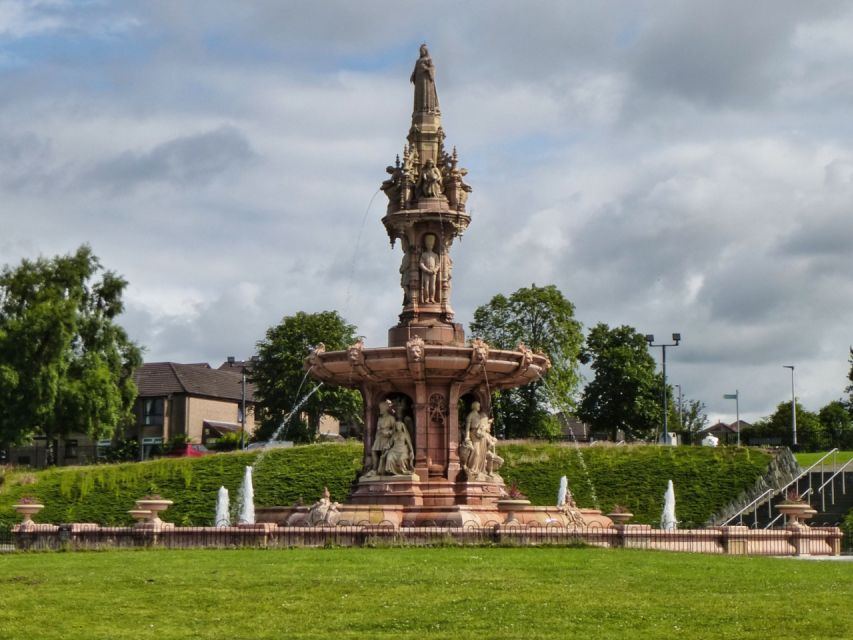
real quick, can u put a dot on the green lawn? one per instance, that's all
(421, 593)
(808, 459)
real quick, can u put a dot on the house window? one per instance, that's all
(70, 448)
(152, 411)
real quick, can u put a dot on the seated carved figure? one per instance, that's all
(400, 458)
(480, 461)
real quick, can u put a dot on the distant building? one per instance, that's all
(726, 433)
(174, 399)
(191, 400)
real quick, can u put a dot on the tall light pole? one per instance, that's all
(793, 405)
(231, 361)
(736, 397)
(680, 411)
(676, 337)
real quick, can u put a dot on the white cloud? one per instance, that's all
(665, 171)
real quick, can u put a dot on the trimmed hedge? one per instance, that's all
(705, 480)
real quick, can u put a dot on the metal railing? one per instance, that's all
(769, 494)
(714, 540)
(831, 483)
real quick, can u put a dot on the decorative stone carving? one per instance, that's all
(399, 459)
(568, 508)
(382, 440)
(355, 353)
(477, 453)
(393, 186)
(316, 352)
(429, 266)
(415, 348)
(437, 408)
(423, 77)
(324, 511)
(480, 353)
(526, 357)
(430, 183)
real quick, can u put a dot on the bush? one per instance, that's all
(705, 480)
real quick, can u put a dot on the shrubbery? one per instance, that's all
(705, 480)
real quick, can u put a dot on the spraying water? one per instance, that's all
(246, 500)
(223, 517)
(355, 253)
(286, 421)
(667, 518)
(561, 494)
(581, 460)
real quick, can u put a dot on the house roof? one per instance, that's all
(722, 426)
(156, 379)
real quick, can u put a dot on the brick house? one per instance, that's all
(194, 400)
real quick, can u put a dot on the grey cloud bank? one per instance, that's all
(673, 166)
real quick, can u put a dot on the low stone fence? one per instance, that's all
(735, 540)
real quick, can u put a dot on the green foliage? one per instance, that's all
(849, 388)
(543, 319)
(280, 381)
(811, 433)
(705, 480)
(693, 417)
(65, 366)
(426, 594)
(837, 424)
(625, 393)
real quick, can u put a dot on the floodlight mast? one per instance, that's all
(793, 406)
(650, 338)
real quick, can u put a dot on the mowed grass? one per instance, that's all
(807, 459)
(421, 593)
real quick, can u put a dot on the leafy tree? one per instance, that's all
(625, 393)
(811, 434)
(280, 379)
(837, 424)
(849, 388)
(65, 365)
(693, 417)
(543, 319)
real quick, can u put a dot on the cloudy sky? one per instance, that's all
(675, 166)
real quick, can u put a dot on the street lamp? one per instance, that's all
(736, 397)
(231, 361)
(680, 408)
(793, 405)
(676, 337)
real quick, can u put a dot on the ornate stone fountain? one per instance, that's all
(429, 455)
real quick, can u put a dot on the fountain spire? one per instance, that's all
(426, 211)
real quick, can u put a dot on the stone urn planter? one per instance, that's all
(140, 515)
(154, 506)
(620, 517)
(795, 512)
(510, 506)
(27, 510)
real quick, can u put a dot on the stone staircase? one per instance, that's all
(831, 497)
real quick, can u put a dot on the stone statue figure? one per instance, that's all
(324, 511)
(399, 459)
(477, 453)
(382, 439)
(423, 77)
(429, 265)
(393, 186)
(431, 179)
(472, 420)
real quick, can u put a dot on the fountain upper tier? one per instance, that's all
(401, 367)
